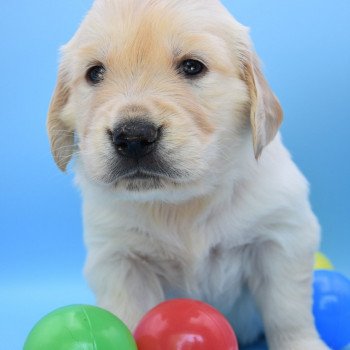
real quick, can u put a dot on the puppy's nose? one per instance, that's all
(135, 138)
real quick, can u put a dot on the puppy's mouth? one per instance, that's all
(140, 175)
(140, 180)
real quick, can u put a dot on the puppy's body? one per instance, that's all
(218, 247)
(175, 201)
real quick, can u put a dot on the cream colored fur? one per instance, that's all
(233, 226)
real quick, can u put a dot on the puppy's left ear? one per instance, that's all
(265, 110)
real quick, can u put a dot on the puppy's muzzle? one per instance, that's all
(135, 138)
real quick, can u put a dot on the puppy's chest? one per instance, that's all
(198, 262)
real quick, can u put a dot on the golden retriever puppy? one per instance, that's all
(188, 190)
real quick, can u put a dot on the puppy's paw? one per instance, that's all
(129, 315)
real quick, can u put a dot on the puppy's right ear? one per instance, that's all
(60, 134)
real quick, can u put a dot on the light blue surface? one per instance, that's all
(305, 48)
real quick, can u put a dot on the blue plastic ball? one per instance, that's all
(332, 308)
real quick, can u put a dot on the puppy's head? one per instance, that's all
(159, 97)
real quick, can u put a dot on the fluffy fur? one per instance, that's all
(223, 215)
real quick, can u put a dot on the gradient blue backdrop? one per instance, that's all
(305, 48)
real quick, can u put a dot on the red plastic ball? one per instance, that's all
(184, 324)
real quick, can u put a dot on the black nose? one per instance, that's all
(135, 138)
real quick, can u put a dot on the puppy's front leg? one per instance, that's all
(282, 286)
(123, 284)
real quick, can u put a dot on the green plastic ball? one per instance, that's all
(80, 327)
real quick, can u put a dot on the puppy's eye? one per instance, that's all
(95, 74)
(191, 68)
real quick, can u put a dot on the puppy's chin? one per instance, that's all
(141, 183)
(162, 191)
(155, 188)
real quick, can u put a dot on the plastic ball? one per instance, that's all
(184, 324)
(332, 308)
(322, 262)
(79, 327)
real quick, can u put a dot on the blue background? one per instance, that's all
(305, 48)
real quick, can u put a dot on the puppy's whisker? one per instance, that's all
(56, 131)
